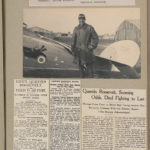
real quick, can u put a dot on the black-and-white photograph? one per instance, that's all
(82, 43)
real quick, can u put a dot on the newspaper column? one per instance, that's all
(31, 101)
(114, 119)
(64, 115)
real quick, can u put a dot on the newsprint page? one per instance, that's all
(60, 115)
(76, 75)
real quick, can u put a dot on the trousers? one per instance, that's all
(86, 72)
(85, 61)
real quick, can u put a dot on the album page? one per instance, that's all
(76, 75)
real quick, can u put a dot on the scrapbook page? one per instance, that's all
(76, 75)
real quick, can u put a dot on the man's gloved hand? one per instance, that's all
(90, 47)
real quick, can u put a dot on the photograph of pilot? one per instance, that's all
(82, 43)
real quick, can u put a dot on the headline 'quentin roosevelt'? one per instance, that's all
(107, 91)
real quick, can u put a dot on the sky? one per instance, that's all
(104, 20)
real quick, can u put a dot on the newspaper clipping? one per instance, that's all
(113, 119)
(31, 114)
(64, 115)
(81, 3)
(60, 115)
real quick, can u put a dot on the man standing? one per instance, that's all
(84, 41)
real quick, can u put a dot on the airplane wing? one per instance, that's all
(124, 55)
(124, 52)
(126, 70)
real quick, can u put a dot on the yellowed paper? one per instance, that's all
(81, 3)
(59, 114)
(64, 115)
(114, 119)
(14, 55)
(31, 112)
